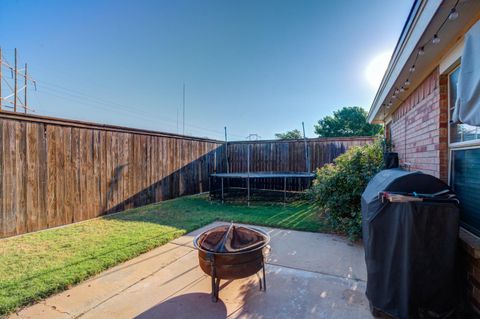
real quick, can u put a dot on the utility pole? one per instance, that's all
(15, 85)
(183, 108)
(1, 79)
(26, 85)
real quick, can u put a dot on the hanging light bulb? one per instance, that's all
(453, 14)
(436, 39)
(421, 51)
(407, 83)
(397, 91)
(390, 103)
(402, 89)
(412, 68)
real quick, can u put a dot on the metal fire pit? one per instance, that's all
(232, 252)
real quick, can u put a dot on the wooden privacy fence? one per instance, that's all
(286, 156)
(289, 155)
(55, 172)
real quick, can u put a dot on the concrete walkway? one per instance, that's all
(309, 275)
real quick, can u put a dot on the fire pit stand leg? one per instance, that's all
(264, 278)
(215, 280)
(261, 279)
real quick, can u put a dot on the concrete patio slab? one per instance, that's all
(309, 275)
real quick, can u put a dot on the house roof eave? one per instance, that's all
(421, 13)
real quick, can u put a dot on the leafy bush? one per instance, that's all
(338, 187)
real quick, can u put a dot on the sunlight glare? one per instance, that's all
(376, 68)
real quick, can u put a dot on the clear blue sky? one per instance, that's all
(255, 66)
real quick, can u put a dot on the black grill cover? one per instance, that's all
(409, 246)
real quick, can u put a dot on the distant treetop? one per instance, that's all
(289, 135)
(348, 121)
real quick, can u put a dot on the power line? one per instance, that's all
(81, 98)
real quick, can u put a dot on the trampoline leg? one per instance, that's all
(248, 191)
(222, 189)
(284, 191)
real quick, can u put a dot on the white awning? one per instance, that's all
(467, 106)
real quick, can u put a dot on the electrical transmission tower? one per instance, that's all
(13, 98)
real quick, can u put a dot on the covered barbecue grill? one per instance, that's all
(410, 229)
(232, 252)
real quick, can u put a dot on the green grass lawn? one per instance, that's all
(37, 265)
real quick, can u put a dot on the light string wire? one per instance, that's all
(420, 50)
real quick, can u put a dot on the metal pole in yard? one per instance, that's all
(248, 174)
(248, 159)
(284, 190)
(222, 189)
(248, 190)
(226, 150)
(307, 164)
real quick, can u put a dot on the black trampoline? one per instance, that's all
(248, 176)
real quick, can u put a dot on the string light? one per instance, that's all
(453, 14)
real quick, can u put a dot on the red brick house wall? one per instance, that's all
(419, 127)
(419, 133)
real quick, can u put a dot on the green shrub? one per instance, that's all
(338, 187)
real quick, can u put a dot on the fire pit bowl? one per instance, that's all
(232, 252)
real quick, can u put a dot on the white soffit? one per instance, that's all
(403, 51)
(429, 17)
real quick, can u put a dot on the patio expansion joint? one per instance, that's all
(317, 272)
(128, 287)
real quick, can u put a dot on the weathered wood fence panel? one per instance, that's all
(286, 156)
(55, 172)
(289, 156)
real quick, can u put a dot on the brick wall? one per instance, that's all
(419, 127)
(469, 275)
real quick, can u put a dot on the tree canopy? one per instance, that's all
(348, 121)
(289, 135)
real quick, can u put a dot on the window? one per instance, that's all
(464, 163)
(465, 181)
